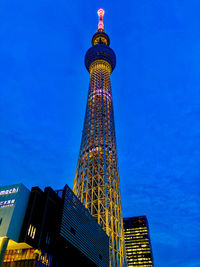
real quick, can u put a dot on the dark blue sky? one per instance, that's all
(156, 94)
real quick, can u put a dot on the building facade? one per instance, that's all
(83, 232)
(96, 181)
(42, 223)
(13, 205)
(53, 229)
(137, 242)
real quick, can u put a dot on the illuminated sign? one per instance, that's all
(5, 198)
(9, 191)
(45, 260)
(43, 257)
(7, 203)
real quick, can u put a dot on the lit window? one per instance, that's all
(33, 236)
(31, 231)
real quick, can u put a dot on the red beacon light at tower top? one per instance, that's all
(100, 13)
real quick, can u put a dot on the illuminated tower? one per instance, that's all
(96, 181)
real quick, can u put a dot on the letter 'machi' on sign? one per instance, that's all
(9, 191)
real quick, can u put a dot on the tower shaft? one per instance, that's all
(96, 181)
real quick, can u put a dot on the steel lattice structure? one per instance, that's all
(96, 181)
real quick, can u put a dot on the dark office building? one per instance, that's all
(83, 232)
(137, 242)
(42, 222)
(57, 231)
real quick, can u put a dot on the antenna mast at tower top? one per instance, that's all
(100, 13)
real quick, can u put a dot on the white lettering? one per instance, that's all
(10, 191)
(7, 203)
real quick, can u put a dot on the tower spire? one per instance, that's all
(100, 13)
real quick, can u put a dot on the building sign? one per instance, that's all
(9, 191)
(44, 258)
(8, 196)
(7, 203)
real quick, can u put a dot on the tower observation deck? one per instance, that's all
(96, 181)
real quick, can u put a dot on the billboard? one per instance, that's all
(13, 204)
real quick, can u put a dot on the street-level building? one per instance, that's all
(53, 228)
(13, 205)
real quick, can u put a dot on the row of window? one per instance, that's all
(135, 237)
(135, 244)
(135, 264)
(133, 229)
(138, 250)
(142, 260)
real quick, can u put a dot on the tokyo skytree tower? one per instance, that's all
(96, 181)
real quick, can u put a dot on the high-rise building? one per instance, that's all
(96, 181)
(137, 242)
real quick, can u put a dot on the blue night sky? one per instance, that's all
(156, 94)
